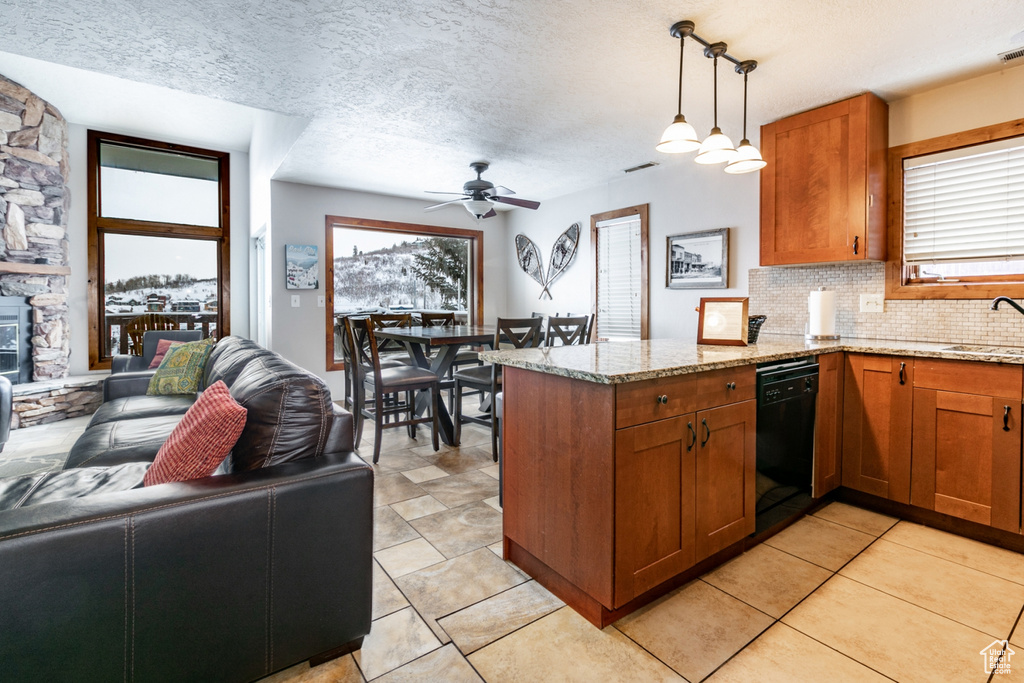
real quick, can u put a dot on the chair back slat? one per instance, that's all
(520, 332)
(137, 327)
(438, 319)
(566, 331)
(382, 320)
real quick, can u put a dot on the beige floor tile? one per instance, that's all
(493, 502)
(822, 542)
(461, 530)
(458, 460)
(857, 518)
(564, 647)
(476, 435)
(415, 508)
(486, 621)
(695, 628)
(408, 557)
(1017, 638)
(497, 549)
(444, 664)
(392, 488)
(422, 474)
(340, 670)
(897, 639)
(941, 586)
(394, 640)
(1000, 562)
(460, 489)
(491, 471)
(386, 596)
(442, 589)
(768, 579)
(390, 529)
(396, 461)
(783, 655)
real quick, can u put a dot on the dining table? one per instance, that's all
(436, 348)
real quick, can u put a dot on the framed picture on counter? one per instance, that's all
(723, 320)
(698, 260)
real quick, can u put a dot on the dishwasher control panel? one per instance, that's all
(786, 381)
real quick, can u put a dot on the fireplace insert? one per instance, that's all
(15, 339)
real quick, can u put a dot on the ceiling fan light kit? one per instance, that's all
(481, 195)
(717, 148)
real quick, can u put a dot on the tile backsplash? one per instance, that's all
(781, 294)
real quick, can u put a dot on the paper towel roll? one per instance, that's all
(822, 308)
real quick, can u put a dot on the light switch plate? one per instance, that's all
(321, 301)
(872, 303)
(295, 301)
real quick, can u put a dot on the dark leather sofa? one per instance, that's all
(226, 578)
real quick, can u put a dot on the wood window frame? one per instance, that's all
(476, 261)
(896, 274)
(99, 226)
(640, 210)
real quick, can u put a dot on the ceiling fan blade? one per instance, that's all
(442, 204)
(525, 203)
(437, 192)
(501, 190)
(489, 214)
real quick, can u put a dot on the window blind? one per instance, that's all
(618, 279)
(965, 205)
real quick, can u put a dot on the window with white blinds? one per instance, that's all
(965, 205)
(618, 279)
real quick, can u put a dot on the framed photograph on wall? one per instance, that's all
(723, 320)
(302, 266)
(698, 260)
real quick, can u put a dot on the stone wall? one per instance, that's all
(38, 403)
(34, 201)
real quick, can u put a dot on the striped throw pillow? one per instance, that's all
(201, 441)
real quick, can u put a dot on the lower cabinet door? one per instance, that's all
(967, 457)
(654, 508)
(726, 460)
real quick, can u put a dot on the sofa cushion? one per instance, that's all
(181, 371)
(229, 357)
(36, 489)
(121, 441)
(133, 407)
(290, 412)
(202, 439)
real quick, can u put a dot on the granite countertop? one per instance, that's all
(619, 362)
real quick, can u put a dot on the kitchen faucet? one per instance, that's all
(1000, 299)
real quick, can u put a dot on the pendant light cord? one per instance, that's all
(716, 91)
(744, 105)
(680, 102)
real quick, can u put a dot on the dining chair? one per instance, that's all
(384, 382)
(566, 331)
(437, 319)
(518, 333)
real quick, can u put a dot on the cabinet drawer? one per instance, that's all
(721, 387)
(969, 377)
(640, 402)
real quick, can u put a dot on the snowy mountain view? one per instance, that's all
(303, 266)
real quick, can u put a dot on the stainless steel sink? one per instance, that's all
(991, 350)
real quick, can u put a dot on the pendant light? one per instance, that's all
(680, 136)
(717, 147)
(748, 158)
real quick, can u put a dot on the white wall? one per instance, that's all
(298, 216)
(683, 197)
(78, 287)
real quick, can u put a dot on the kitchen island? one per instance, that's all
(629, 467)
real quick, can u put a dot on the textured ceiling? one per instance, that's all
(402, 95)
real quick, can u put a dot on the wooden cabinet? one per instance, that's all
(967, 441)
(823, 192)
(828, 423)
(877, 424)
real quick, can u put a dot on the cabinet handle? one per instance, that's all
(1006, 418)
(730, 385)
(693, 433)
(663, 399)
(903, 367)
(707, 433)
(856, 239)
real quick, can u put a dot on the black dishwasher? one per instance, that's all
(786, 394)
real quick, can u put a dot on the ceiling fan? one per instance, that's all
(480, 195)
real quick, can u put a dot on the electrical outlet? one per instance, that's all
(872, 303)
(321, 301)
(295, 301)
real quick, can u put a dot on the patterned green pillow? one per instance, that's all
(181, 371)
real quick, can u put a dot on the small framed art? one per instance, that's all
(302, 266)
(698, 260)
(723, 320)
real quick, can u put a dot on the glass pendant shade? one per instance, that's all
(747, 159)
(679, 137)
(478, 207)
(716, 149)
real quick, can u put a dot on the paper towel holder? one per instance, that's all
(821, 337)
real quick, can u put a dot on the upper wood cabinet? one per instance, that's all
(823, 193)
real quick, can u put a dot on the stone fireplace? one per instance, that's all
(34, 203)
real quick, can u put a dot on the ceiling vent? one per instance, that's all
(641, 167)
(1011, 55)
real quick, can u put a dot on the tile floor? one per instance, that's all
(844, 595)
